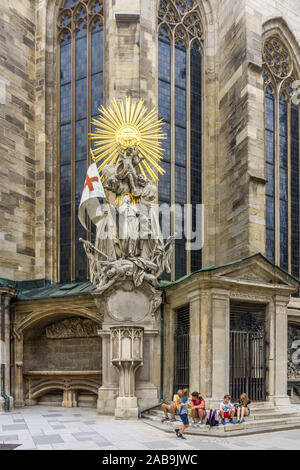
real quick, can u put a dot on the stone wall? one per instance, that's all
(17, 139)
(69, 354)
(233, 146)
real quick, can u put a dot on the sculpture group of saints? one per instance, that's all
(129, 244)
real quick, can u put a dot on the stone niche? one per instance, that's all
(68, 345)
(63, 363)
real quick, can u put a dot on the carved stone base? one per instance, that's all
(69, 399)
(2, 404)
(30, 402)
(19, 404)
(281, 401)
(107, 400)
(127, 408)
(130, 343)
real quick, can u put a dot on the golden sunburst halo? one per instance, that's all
(128, 124)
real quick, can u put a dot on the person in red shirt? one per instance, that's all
(198, 407)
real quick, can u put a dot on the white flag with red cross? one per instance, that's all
(92, 191)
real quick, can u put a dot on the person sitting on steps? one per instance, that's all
(173, 408)
(198, 408)
(243, 408)
(227, 410)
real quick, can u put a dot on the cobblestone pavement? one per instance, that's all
(47, 428)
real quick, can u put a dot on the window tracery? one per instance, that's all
(282, 156)
(80, 78)
(180, 44)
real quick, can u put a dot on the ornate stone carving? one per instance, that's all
(72, 328)
(185, 13)
(127, 357)
(129, 252)
(123, 302)
(277, 58)
(294, 351)
(129, 245)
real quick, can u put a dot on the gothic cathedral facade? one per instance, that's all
(225, 78)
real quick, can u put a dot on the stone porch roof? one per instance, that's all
(167, 284)
(42, 289)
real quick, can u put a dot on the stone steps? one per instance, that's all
(262, 419)
(159, 412)
(230, 430)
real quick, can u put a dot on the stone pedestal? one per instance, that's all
(127, 357)
(127, 408)
(131, 343)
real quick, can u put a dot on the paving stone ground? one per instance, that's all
(44, 428)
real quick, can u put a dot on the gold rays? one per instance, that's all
(128, 124)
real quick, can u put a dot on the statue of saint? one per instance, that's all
(128, 227)
(128, 168)
(106, 237)
(129, 245)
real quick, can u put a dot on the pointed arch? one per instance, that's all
(282, 134)
(80, 70)
(180, 49)
(278, 27)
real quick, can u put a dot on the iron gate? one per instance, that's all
(182, 348)
(247, 352)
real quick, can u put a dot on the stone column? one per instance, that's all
(19, 390)
(200, 343)
(220, 311)
(195, 342)
(169, 353)
(127, 357)
(270, 351)
(5, 390)
(280, 341)
(108, 392)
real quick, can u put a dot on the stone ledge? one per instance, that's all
(228, 430)
(127, 16)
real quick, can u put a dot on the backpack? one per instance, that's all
(213, 419)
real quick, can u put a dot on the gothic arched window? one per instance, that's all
(282, 157)
(80, 66)
(180, 105)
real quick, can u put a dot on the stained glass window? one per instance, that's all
(282, 157)
(295, 226)
(283, 183)
(180, 106)
(80, 37)
(270, 171)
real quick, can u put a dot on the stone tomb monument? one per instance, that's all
(128, 256)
